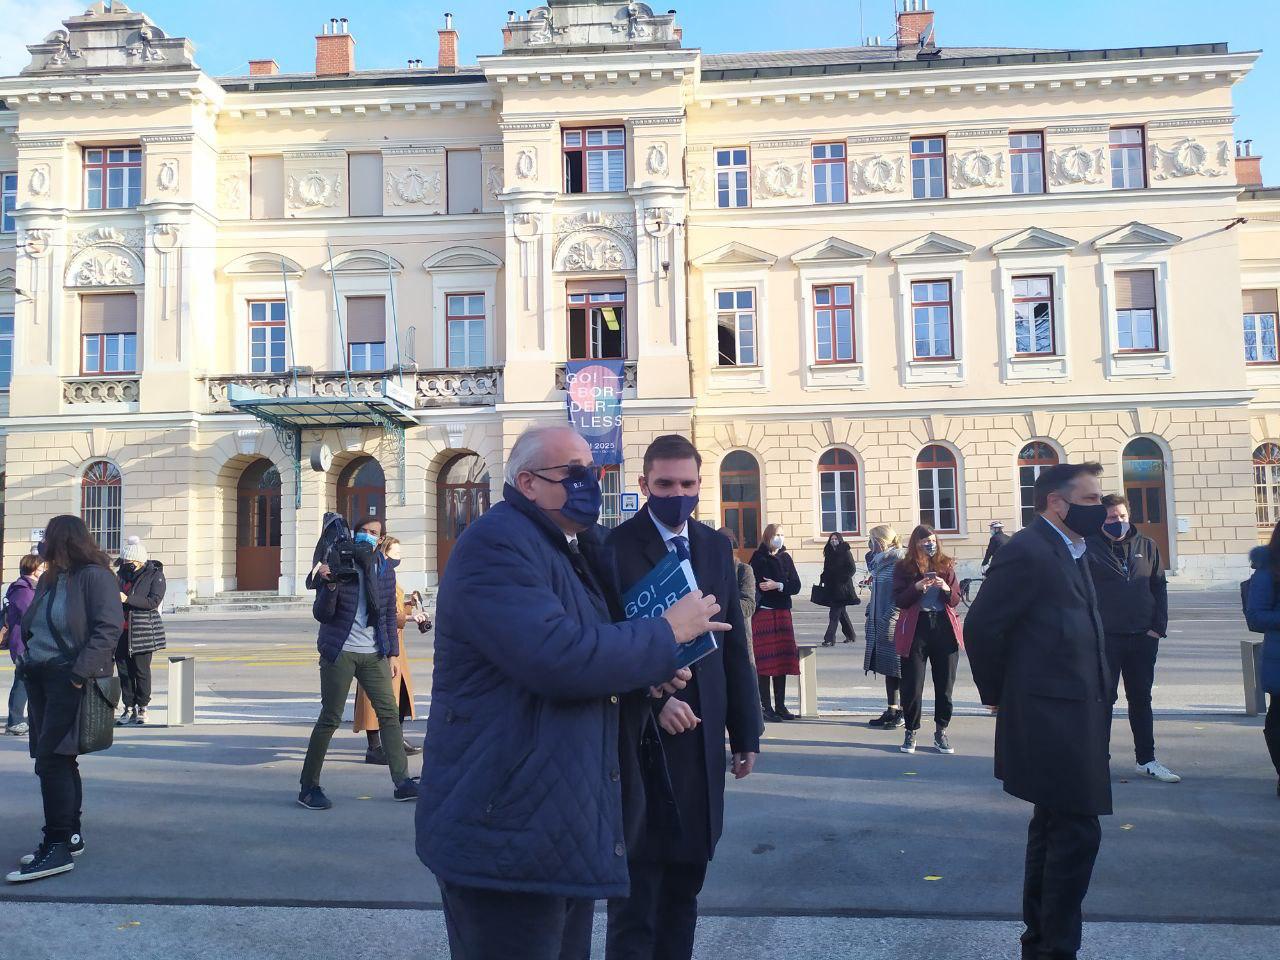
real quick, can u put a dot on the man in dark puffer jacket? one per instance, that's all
(358, 640)
(520, 817)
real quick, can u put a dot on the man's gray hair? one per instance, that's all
(530, 451)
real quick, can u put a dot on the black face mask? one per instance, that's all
(1086, 519)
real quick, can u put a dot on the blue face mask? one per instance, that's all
(582, 493)
(1115, 529)
(393, 563)
(673, 512)
(366, 538)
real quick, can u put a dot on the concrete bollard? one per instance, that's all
(1255, 701)
(182, 691)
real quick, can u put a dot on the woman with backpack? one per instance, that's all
(142, 589)
(70, 631)
(1262, 613)
(838, 568)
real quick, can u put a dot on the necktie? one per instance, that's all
(681, 545)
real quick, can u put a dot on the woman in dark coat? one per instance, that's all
(142, 589)
(1262, 612)
(70, 631)
(928, 633)
(838, 568)
(19, 596)
(772, 633)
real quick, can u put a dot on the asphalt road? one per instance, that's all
(839, 846)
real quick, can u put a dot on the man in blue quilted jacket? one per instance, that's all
(520, 813)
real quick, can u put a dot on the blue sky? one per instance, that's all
(228, 33)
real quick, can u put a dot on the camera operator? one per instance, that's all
(358, 640)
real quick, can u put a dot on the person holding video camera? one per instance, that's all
(355, 605)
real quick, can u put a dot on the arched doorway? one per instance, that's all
(362, 491)
(1144, 488)
(462, 495)
(740, 500)
(258, 527)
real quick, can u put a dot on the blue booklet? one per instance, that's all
(666, 583)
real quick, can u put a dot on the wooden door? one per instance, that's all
(462, 495)
(1144, 488)
(740, 500)
(362, 492)
(258, 527)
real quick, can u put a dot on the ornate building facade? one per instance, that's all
(876, 284)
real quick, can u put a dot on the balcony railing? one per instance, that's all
(628, 372)
(431, 388)
(100, 389)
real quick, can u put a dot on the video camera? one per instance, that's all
(337, 549)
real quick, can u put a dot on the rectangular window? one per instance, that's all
(1128, 153)
(833, 323)
(1260, 311)
(597, 326)
(733, 178)
(463, 182)
(1033, 316)
(1137, 329)
(611, 496)
(931, 319)
(6, 350)
(9, 201)
(928, 168)
(364, 179)
(1026, 162)
(366, 333)
(108, 333)
(267, 336)
(464, 329)
(112, 178)
(736, 327)
(595, 160)
(266, 188)
(829, 173)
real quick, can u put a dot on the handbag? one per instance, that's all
(101, 697)
(820, 595)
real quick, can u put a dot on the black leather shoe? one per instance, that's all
(376, 756)
(770, 716)
(786, 714)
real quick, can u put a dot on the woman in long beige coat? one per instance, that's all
(401, 685)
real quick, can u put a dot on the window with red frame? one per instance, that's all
(108, 334)
(595, 160)
(829, 173)
(267, 333)
(102, 504)
(929, 168)
(1128, 158)
(1137, 322)
(1026, 162)
(464, 326)
(1033, 316)
(112, 177)
(838, 491)
(936, 476)
(597, 326)
(1032, 459)
(833, 323)
(931, 329)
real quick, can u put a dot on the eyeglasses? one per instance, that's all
(576, 472)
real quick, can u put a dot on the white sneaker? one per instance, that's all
(1159, 771)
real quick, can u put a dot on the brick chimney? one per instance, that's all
(263, 68)
(1248, 165)
(448, 59)
(915, 20)
(335, 49)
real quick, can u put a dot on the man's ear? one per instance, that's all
(644, 486)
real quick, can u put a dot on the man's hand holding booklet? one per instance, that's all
(659, 594)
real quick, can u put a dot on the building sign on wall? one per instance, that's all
(594, 400)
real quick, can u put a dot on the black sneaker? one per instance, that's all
(941, 743)
(406, 789)
(909, 742)
(375, 756)
(127, 718)
(75, 845)
(769, 716)
(49, 860)
(884, 720)
(899, 721)
(785, 714)
(313, 798)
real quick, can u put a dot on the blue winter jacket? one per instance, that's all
(335, 610)
(1262, 612)
(520, 782)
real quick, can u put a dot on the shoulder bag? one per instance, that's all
(99, 698)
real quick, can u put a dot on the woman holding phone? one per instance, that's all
(926, 591)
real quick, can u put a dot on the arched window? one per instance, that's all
(936, 475)
(101, 504)
(740, 499)
(838, 491)
(1032, 459)
(1266, 484)
(362, 491)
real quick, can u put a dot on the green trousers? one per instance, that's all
(374, 674)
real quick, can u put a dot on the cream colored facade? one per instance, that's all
(247, 190)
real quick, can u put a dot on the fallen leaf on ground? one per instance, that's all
(364, 798)
(910, 773)
(1126, 826)
(932, 877)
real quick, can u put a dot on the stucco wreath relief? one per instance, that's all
(314, 189)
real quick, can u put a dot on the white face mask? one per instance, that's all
(776, 542)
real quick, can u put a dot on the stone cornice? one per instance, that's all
(321, 154)
(419, 151)
(1193, 122)
(167, 137)
(41, 143)
(897, 137)
(1070, 129)
(516, 126)
(779, 144)
(672, 121)
(976, 133)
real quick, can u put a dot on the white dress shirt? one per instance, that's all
(1077, 547)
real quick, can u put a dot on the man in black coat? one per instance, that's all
(1133, 599)
(1036, 647)
(998, 539)
(672, 748)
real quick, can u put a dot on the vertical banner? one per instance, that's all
(594, 398)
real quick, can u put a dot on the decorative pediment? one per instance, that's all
(833, 250)
(592, 251)
(931, 245)
(734, 254)
(1032, 240)
(558, 25)
(104, 265)
(462, 258)
(1135, 235)
(363, 262)
(263, 264)
(109, 37)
